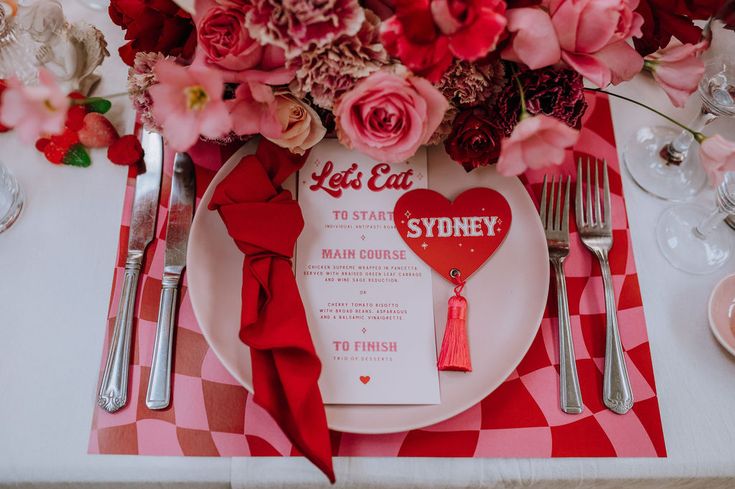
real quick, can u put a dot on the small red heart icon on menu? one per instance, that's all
(364, 379)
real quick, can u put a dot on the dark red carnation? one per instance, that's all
(664, 19)
(475, 139)
(552, 91)
(153, 26)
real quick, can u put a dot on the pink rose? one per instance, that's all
(717, 156)
(301, 127)
(536, 142)
(534, 41)
(388, 116)
(678, 70)
(592, 35)
(225, 42)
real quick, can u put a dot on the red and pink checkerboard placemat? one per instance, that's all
(212, 415)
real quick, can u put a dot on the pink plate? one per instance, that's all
(722, 313)
(507, 297)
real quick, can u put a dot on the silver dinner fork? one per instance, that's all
(555, 219)
(594, 224)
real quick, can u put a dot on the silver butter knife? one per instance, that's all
(113, 393)
(180, 214)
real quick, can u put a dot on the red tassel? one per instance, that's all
(455, 351)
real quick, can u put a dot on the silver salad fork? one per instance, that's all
(555, 220)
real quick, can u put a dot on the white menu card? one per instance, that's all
(367, 296)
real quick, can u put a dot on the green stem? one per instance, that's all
(524, 112)
(84, 101)
(697, 135)
(114, 95)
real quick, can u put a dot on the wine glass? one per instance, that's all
(660, 159)
(11, 198)
(695, 239)
(16, 53)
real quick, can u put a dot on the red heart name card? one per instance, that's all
(459, 235)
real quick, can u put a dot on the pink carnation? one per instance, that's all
(295, 25)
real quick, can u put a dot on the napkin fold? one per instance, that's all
(265, 221)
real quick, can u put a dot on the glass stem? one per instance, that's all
(681, 144)
(710, 223)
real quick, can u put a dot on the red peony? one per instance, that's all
(153, 26)
(475, 139)
(664, 19)
(426, 34)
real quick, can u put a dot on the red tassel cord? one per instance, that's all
(455, 350)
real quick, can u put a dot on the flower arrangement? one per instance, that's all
(494, 81)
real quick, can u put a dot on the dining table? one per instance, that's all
(56, 268)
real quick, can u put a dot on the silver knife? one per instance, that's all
(180, 214)
(113, 393)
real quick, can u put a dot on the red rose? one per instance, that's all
(664, 19)
(426, 34)
(153, 26)
(475, 139)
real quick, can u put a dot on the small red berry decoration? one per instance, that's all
(125, 151)
(85, 127)
(53, 152)
(97, 131)
(75, 117)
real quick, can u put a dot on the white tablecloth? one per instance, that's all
(56, 268)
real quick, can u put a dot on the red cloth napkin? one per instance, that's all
(265, 220)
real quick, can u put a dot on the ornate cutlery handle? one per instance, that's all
(616, 391)
(159, 382)
(570, 394)
(113, 393)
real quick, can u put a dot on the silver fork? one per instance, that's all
(555, 220)
(594, 224)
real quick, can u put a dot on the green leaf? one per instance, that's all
(97, 104)
(77, 156)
